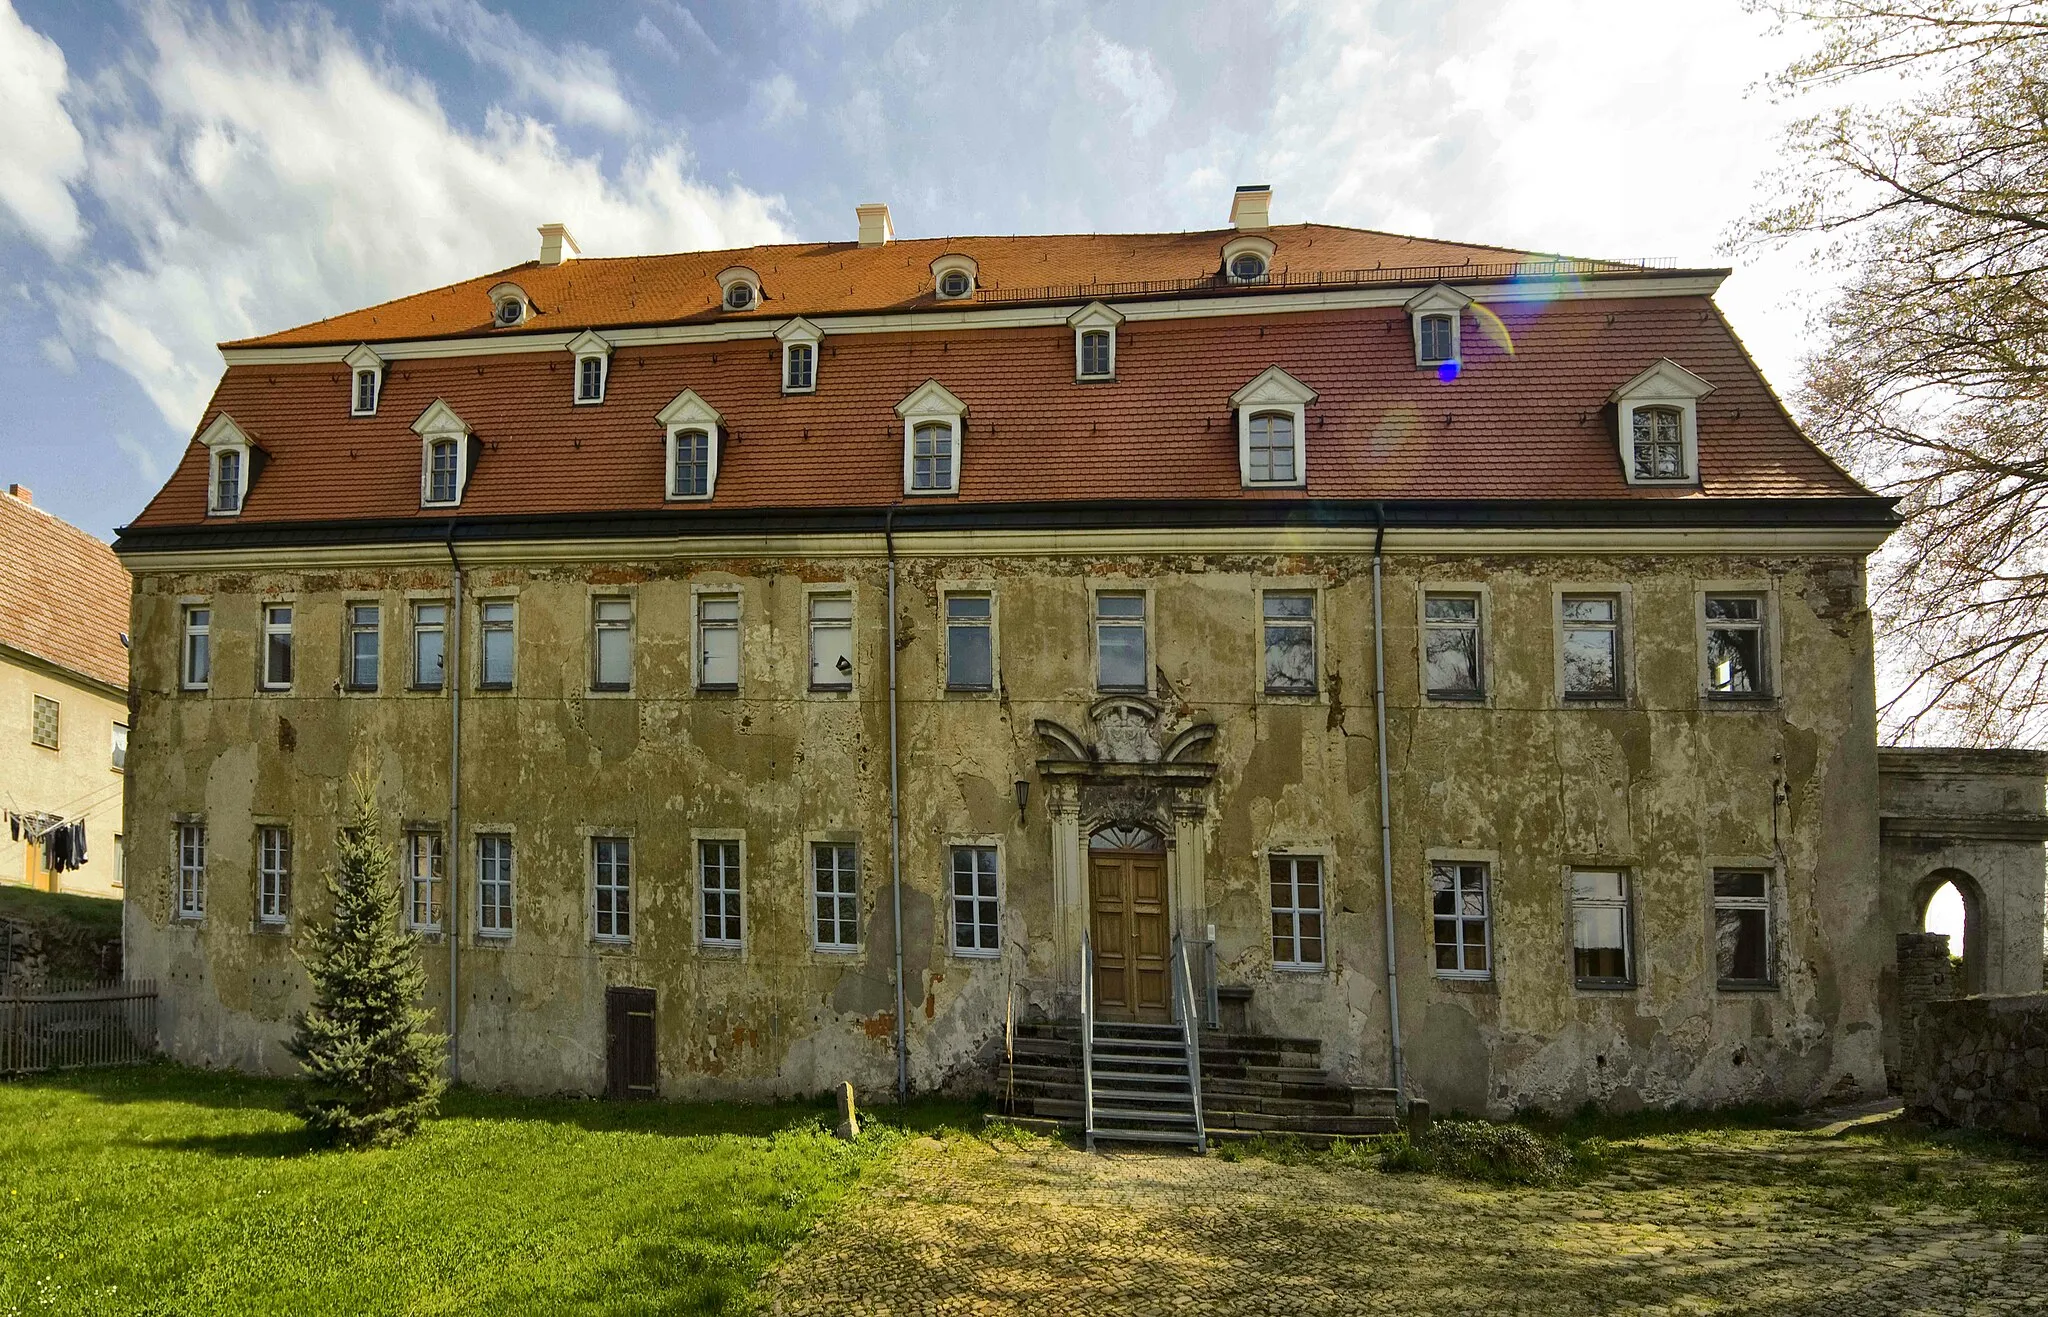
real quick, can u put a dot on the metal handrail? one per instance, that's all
(1191, 1035)
(1087, 1041)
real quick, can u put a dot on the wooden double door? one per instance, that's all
(1127, 920)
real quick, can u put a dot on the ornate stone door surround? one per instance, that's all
(1138, 770)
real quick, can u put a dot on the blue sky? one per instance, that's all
(177, 174)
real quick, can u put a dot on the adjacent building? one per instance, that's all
(746, 642)
(63, 703)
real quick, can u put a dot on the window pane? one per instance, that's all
(1589, 662)
(970, 659)
(1450, 608)
(1451, 660)
(1583, 609)
(721, 658)
(1742, 946)
(1594, 885)
(1120, 605)
(1734, 665)
(1122, 654)
(1740, 886)
(831, 641)
(1290, 659)
(1734, 608)
(966, 607)
(1600, 942)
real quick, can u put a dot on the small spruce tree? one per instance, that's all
(372, 1066)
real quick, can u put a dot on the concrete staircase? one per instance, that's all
(1251, 1084)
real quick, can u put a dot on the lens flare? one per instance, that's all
(1493, 328)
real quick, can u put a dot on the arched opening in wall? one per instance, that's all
(1950, 902)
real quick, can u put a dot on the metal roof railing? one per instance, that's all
(1216, 282)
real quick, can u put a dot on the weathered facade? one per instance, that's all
(1656, 884)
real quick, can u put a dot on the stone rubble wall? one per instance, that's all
(1981, 1063)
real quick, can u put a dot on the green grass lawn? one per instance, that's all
(168, 1190)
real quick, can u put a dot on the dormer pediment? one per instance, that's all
(224, 433)
(439, 420)
(688, 409)
(1437, 297)
(931, 398)
(799, 330)
(589, 343)
(363, 358)
(1664, 379)
(1096, 315)
(1273, 386)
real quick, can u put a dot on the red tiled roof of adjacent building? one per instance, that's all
(63, 594)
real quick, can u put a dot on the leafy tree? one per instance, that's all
(1926, 187)
(373, 1068)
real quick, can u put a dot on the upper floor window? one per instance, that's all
(953, 275)
(494, 885)
(932, 422)
(227, 481)
(1436, 338)
(196, 656)
(612, 884)
(509, 305)
(831, 641)
(1591, 641)
(718, 893)
(273, 875)
(230, 466)
(1434, 317)
(970, 647)
(718, 642)
(1657, 419)
(955, 283)
(1095, 354)
(1120, 648)
(592, 354)
(494, 656)
(42, 729)
(442, 457)
(1290, 642)
(365, 634)
(931, 456)
(366, 393)
(691, 427)
(1297, 886)
(423, 870)
(1450, 647)
(1600, 928)
(446, 449)
(1272, 450)
(1248, 267)
(611, 644)
(120, 748)
(190, 898)
(977, 902)
(800, 339)
(739, 288)
(1095, 328)
(1271, 414)
(429, 646)
(1742, 928)
(1659, 443)
(835, 896)
(1737, 656)
(739, 297)
(692, 464)
(277, 646)
(366, 380)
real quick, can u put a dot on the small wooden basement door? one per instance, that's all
(1128, 923)
(629, 1043)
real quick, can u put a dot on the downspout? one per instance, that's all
(1397, 1061)
(896, 820)
(451, 671)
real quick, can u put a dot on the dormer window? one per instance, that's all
(933, 421)
(1094, 328)
(509, 305)
(230, 466)
(447, 451)
(799, 355)
(1271, 422)
(1248, 267)
(1248, 259)
(739, 288)
(592, 355)
(366, 381)
(1435, 317)
(1657, 423)
(954, 276)
(691, 427)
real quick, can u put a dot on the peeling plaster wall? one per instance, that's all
(1664, 783)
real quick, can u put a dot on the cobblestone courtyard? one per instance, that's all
(1830, 1220)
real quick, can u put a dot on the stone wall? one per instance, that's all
(1980, 1062)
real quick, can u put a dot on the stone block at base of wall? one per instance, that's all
(1981, 1063)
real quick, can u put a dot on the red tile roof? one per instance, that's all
(63, 594)
(833, 278)
(1527, 419)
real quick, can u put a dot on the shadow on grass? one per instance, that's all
(263, 1145)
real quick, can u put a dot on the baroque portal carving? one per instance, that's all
(1134, 770)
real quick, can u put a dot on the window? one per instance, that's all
(120, 755)
(1094, 327)
(970, 647)
(835, 899)
(590, 379)
(429, 639)
(494, 885)
(1436, 338)
(1450, 646)
(611, 644)
(1297, 911)
(277, 647)
(443, 463)
(508, 304)
(365, 640)
(367, 379)
(1095, 353)
(120, 862)
(931, 456)
(423, 881)
(191, 894)
(1592, 646)
(799, 361)
(1247, 267)
(227, 481)
(612, 858)
(366, 393)
(831, 642)
(977, 905)
(739, 296)
(718, 642)
(955, 283)
(1459, 900)
(1290, 621)
(1272, 448)
(495, 657)
(43, 727)
(1657, 423)
(1120, 660)
(718, 882)
(511, 311)
(1433, 320)
(273, 875)
(1659, 443)
(198, 656)
(1600, 927)
(1742, 928)
(1735, 644)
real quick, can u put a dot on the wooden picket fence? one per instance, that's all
(63, 1026)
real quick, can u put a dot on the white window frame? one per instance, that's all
(486, 879)
(699, 596)
(1625, 904)
(732, 276)
(1489, 863)
(202, 631)
(1624, 651)
(1664, 384)
(932, 402)
(432, 884)
(220, 438)
(439, 424)
(1094, 318)
(361, 362)
(800, 333)
(1272, 390)
(272, 628)
(415, 628)
(814, 626)
(947, 595)
(503, 293)
(975, 845)
(1313, 622)
(845, 928)
(598, 627)
(1767, 642)
(596, 842)
(1095, 624)
(1294, 912)
(737, 892)
(117, 749)
(189, 898)
(1484, 659)
(351, 627)
(955, 263)
(589, 346)
(1768, 903)
(273, 874)
(1264, 248)
(1438, 300)
(488, 627)
(688, 411)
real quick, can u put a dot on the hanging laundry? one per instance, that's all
(78, 845)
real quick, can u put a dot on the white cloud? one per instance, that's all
(841, 13)
(687, 22)
(653, 38)
(776, 100)
(1131, 73)
(59, 354)
(576, 80)
(281, 176)
(41, 151)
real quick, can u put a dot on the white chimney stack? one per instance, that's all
(553, 239)
(1248, 207)
(875, 228)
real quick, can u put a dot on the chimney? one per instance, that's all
(1248, 207)
(20, 492)
(552, 239)
(875, 228)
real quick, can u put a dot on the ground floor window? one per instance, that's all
(494, 886)
(191, 870)
(977, 912)
(718, 879)
(835, 901)
(612, 860)
(1297, 882)
(1742, 927)
(1459, 899)
(273, 875)
(1600, 927)
(423, 881)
